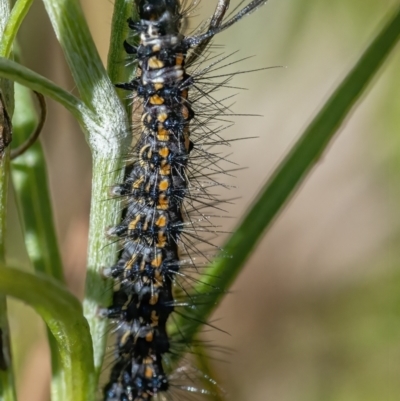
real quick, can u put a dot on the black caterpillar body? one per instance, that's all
(155, 188)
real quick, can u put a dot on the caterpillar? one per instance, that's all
(164, 199)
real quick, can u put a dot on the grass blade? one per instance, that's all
(17, 15)
(287, 178)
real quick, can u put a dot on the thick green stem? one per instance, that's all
(101, 253)
(106, 139)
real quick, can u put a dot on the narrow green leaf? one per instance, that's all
(63, 315)
(18, 13)
(6, 86)
(24, 76)
(286, 179)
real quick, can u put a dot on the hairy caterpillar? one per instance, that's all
(163, 189)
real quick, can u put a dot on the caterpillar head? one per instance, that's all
(164, 13)
(155, 9)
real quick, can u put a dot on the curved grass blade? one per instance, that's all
(63, 315)
(287, 178)
(17, 15)
(18, 73)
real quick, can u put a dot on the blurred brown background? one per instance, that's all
(315, 315)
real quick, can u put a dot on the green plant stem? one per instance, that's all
(63, 315)
(102, 253)
(72, 32)
(107, 139)
(286, 179)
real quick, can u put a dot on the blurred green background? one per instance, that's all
(315, 315)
